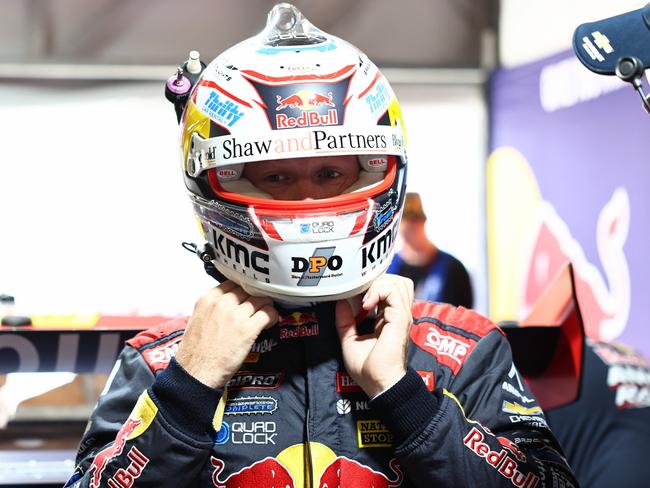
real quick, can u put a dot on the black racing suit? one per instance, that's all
(606, 433)
(293, 417)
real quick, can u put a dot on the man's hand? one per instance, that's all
(221, 331)
(377, 361)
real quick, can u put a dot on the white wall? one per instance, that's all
(534, 29)
(446, 129)
(93, 208)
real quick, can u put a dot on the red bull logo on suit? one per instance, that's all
(287, 470)
(105, 455)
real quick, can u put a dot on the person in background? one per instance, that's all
(438, 276)
(605, 434)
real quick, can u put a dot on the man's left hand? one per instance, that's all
(377, 361)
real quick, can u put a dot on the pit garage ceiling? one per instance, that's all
(394, 33)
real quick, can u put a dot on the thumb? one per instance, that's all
(346, 325)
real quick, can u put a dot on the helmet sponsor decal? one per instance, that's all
(379, 249)
(313, 268)
(222, 110)
(297, 142)
(303, 104)
(240, 256)
(317, 227)
(227, 219)
(377, 95)
(384, 213)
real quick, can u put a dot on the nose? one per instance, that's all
(305, 189)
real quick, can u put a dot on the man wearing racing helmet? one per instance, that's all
(308, 365)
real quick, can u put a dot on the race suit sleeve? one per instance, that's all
(483, 428)
(142, 422)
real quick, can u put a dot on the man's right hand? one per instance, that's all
(221, 332)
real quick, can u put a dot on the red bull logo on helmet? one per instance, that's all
(307, 104)
(306, 101)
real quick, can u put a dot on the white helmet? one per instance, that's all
(294, 91)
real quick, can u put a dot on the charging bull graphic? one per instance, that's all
(341, 472)
(292, 101)
(347, 473)
(267, 472)
(317, 100)
(605, 308)
(104, 456)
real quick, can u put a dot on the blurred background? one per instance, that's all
(522, 157)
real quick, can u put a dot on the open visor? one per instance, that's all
(376, 175)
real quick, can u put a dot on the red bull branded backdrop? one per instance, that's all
(567, 179)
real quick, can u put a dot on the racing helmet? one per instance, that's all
(294, 91)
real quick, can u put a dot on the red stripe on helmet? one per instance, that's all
(212, 84)
(294, 79)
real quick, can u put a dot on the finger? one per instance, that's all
(252, 305)
(234, 296)
(226, 286)
(393, 292)
(346, 325)
(263, 318)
